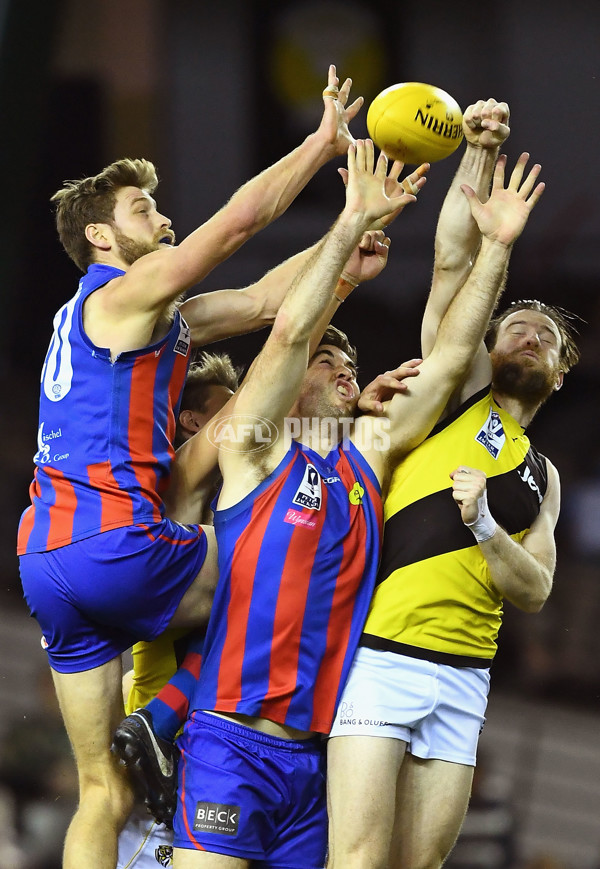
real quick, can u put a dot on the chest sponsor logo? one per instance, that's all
(45, 453)
(491, 434)
(294, 517)
(182, 345)
(527, 477)
(217, 818)
(309, 493)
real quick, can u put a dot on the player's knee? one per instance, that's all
(357, 860)
(432, 856)
(107, 796)
(359, 853)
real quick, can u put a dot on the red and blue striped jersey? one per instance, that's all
(297, 564)
(105, 429)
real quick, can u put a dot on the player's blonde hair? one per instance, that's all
(211, 369)
(92, 200)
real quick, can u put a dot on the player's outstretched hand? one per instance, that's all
(503, 217)
(337, 114)
(366, 188)
(386, 385)
(486, 123)
(395, 187)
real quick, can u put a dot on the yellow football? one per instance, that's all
(415, 122)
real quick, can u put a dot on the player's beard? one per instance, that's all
(131, 250)
(533, 385)
(319, 416)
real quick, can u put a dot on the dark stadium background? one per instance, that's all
(214, 92)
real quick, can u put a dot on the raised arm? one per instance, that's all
(501, 220)
(286, 349)
(274, 383)
(154, 280)
(193, 472)
(457, 239)
(226, 313)
(522, 572)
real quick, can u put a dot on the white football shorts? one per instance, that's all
(438, 710)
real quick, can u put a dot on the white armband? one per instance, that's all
(485, 525)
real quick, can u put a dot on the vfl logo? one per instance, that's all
(217, 818)
(527, 477)
(182, 345)
(164, 855)
(491, 435)
(308, 493)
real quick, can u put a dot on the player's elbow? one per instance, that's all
(260, 309)
(455, 361)
(289, 330)
(532, 598)
(532, 606)
(450, 260)
(248, 217)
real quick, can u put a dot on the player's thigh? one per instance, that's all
(194, 607)
(91, 703)
(362, 773)
(187, 859)
(432, 799)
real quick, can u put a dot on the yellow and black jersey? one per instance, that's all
(435, 598)
(153, 665)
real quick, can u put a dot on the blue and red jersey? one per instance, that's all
(105, 429)
(297, 563)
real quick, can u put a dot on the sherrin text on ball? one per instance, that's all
(415, 122)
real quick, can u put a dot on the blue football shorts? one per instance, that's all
(249, 795)
(95, 598)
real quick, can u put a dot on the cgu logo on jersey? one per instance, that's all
(528, 478)
(491, 434)
(308, 493)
